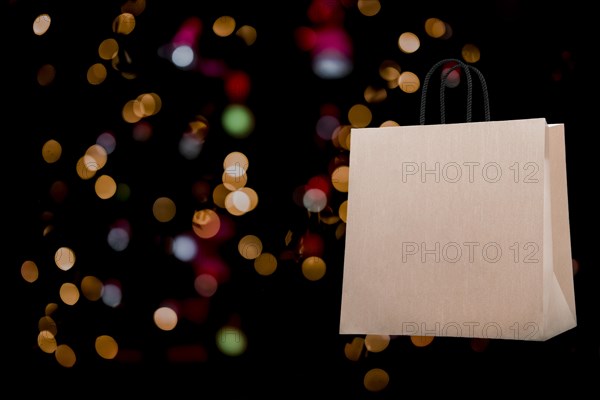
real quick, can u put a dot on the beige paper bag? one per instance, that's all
(458, 230)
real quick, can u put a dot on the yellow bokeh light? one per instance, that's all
(165, 318)
(51, 151)
(148, 104)
(92, 287)
(409, 82)
(46, 74)
(29, 271)
(46, 342)
(388, 123)
(224, 26)
(135, 7)
(233, 179)
(50, 308)
(340, 230)
(389, 70)
(96, 74)
(65, 356)
(95, 157)
(373, 95)
(377, 343)
(265, 264)
(69, 293)
(64, 258)
(376, 380)
(252, 195)
(124, 24)
(241, 201)
(421, 341)
(359, 116)
(129, 111)
(369, 8)
(248, 34)
(340, 177)
(343, 211)
(435, 27)
(231, 206)
(106, 347)
(47, 324)
(105, 187)
(409, 42)
(354, 349)
(86, 168)
(41, 24)
(236, 160)
(250, 247)
(164, 209)
(108, 49)
(206, 223)
(219, 194)
(470, 53)
(313, 268)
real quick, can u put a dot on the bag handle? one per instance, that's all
(466, 68)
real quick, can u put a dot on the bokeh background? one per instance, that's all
(179, 175)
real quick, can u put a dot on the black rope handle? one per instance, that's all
(467, 69)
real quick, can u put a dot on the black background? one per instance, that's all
(537, 60)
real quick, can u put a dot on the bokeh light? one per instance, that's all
(111, 295)
(106, 347)
(64, 258)
(224, 26)
(41, 24)
(313, 268)
(118, 238)
(69, 293)
(165, 318)
(231, 341)
(376, 380)
(377, 343)
(107, 141)
(409, 42)
(105, 187)
(29, 271)
(343, 211)
(183, 56)
(164, 209)
(421, 341)
(206, 223)
(369, 8)
(206, 285)
(124, 23)
(250, 247)
(409, 82)
(248, 34)
(184, 248)
(65, 356)
(470, 53)
(354, 349)
(314, 200)
(359, 116)
(96, 74)
(340, 178)
(47, 324)
(46, 74)
(92, 288)
(108, 49)
(238, 120)
(51, 151)
(435, 27)
(265, 264)
(46, 342)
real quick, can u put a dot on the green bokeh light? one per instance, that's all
(231, 341)
(238, 120)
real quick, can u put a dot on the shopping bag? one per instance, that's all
(458, 229)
